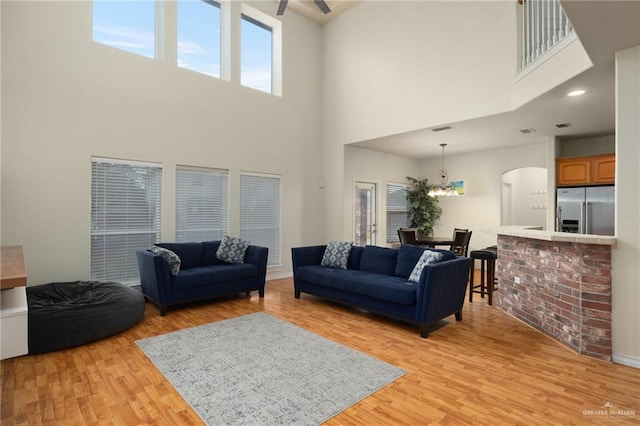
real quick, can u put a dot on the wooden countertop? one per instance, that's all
(12, 273)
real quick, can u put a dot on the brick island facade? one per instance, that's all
(564, 290)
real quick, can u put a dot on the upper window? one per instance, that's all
(256, 54)
(199, 36)
(397, 211)
(125, 216)
(260, 212)
(126, 25)
(201, 204)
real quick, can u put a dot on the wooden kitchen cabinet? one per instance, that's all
(580, 171)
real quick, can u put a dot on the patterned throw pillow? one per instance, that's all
(427, 257)
(232, 250)
(172, 259)
(336, 255)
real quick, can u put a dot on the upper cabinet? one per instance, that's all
(593, 170)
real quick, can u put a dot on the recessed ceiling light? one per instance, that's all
(577, 93)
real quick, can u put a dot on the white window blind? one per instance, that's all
(397, 209)
(201, 204)
(260, 212)
(125, 216)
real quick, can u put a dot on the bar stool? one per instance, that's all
(489, 282)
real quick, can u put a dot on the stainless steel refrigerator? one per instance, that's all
(586, 210)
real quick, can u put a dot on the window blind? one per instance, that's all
(260, 212)
(125, 216)
(397, 208)
(201, 204)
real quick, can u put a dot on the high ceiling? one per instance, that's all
(603, 26)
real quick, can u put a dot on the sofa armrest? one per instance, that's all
(305, 256)
(155, 278)
(442, 288)
(258, 255)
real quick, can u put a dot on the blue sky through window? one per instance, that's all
(255, 55)
(130, 26)
(126, 25)
(199, 37)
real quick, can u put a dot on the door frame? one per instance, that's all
(376, 206)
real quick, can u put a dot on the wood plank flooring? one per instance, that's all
(488, 369)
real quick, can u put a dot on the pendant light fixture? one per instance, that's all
(444, 187)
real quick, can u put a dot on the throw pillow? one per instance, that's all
(427, 257)
(232, 250)
(172, 259)
(336, 255)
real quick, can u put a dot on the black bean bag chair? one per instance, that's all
(63, 315)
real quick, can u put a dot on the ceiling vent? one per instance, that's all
(527, 131)
(440, 129)
(563, 125)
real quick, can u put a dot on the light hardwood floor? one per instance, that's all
(488, 369)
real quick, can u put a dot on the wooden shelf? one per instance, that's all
(13, 273)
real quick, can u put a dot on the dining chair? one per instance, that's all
(460, 246)
(408, 236)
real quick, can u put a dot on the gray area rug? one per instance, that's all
(260, 370)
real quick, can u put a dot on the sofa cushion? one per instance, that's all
(232, 249)
(383, 287)
(190, 254)
(172, 259)
(446, 254)
(213, 275)
(209, 254)
(379, 260)
(427, 257)
(408, 256)
(336, 255)
(354, 257)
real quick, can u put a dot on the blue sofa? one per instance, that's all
(201, 274)
(376, 279)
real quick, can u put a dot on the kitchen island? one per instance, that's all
(560, 284)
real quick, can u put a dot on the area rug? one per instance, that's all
(259, 370)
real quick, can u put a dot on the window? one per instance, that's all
(125, 216)
(201, 204)
(126, 25)
(260, 212)
(256, 54)
(397, 209)
(199, 36)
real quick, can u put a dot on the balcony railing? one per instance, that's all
(543, 26)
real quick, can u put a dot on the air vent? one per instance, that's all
(527, 131)
(440, 129)
(563, 125)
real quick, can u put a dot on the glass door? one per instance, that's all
(365, 214)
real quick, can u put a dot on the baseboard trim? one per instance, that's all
(278, 275)
(626, 360)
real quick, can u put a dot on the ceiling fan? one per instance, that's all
(322, 5)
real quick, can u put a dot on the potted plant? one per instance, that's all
(424, 211)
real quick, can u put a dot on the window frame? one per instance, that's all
(275, 254)
(218, 202)
(391, 236)
(265, 21)
(103, 229)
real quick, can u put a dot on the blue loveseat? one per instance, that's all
(201, 274)
(376, 279)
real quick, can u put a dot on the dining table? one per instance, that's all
(435, 241)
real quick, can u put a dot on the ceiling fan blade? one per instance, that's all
(322, 5)
(281, 7)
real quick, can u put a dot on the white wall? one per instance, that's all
(529, 193)
(66, 98)
(380, 168)
(479, 208)
(626, 254)
(396, 66)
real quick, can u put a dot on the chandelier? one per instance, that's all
(444, 188)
